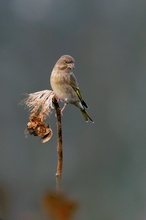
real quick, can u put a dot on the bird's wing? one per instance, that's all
(74, 85)
(73, 80)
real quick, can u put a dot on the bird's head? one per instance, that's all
(66, 63)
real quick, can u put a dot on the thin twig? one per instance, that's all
(59, 144)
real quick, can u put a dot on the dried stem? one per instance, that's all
(59, 144)
(40, 105)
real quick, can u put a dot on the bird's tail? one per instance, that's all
(86, 115)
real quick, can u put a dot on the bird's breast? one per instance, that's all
(60, 84)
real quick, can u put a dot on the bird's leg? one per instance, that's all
(65, 104)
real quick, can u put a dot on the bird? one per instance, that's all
(65, 85)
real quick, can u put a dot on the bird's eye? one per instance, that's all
(65, 61)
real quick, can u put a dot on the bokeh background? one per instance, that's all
(105, 162)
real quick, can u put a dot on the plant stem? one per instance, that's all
(59, 144)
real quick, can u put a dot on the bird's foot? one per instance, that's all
(63, 109)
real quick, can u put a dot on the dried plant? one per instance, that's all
(40, 105)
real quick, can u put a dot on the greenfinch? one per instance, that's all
(65, 86)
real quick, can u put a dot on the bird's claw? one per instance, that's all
(61, 112)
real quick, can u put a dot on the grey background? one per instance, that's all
(104, 163)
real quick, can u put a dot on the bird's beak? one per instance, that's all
(71, 66)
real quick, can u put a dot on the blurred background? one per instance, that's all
(105, 162)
